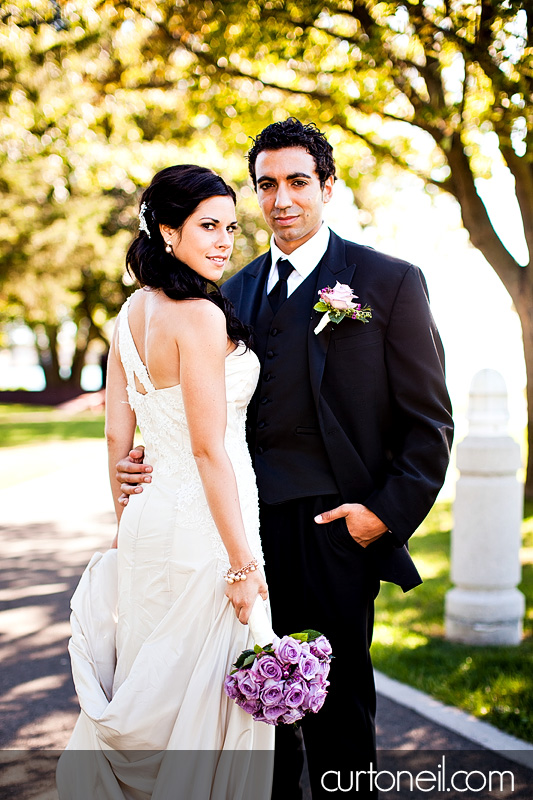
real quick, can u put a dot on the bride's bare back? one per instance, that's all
(157, 324)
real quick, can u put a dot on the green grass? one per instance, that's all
(492, 683)
(13, 410)
(20, 425)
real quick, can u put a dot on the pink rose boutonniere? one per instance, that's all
(337, 303)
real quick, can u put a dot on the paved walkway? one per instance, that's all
(50, 525)
(49, 528)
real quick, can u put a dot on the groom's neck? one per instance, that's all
(289, 247)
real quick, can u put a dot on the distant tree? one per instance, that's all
(84, 124)
(61, 252)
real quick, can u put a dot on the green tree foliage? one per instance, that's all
(84, 124)
(442, 88)
(106, 91)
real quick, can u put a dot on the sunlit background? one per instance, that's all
(97, 96)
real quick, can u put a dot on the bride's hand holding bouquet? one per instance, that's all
(244, 585)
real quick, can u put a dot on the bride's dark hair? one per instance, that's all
(171, 198)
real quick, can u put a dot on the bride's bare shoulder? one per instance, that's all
(136, 302)
(201, 320)
(191, 323)
(201, 308)
(194, 320)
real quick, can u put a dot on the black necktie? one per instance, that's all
(278, 295)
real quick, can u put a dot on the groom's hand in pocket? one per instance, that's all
(363, 525)
(132, 473)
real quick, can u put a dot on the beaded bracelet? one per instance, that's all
(233, 575)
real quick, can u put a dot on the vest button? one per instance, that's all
(264, 401)
(261, 424)
(270, 354)
(268, 377)
(259, 451)
(274, 332)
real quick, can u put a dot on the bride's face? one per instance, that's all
(205, 241)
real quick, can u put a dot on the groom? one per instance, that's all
(350, 431)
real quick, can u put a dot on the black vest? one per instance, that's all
(289, 456)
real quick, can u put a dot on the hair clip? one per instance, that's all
(142, 220)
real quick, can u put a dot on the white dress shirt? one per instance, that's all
(304, 259)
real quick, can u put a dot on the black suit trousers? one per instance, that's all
(319, 577)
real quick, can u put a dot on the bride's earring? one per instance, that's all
(168, 247)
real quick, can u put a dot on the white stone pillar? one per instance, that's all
(485, 607)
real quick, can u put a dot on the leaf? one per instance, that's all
(308, 635)
(337, 318)
(312, 635)
(320, 306)
(249, 661)
(243, 657)
(301, 637)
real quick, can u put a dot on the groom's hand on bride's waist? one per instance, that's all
(132, 473)
(363, 525)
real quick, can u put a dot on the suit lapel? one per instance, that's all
(253, 281)
(332, 268)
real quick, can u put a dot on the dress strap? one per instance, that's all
(129, 355)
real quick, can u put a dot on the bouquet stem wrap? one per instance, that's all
(259, 624)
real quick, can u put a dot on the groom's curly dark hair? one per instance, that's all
(293, 133)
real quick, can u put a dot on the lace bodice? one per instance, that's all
(162, 421)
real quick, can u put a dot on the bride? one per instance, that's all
(155, 627)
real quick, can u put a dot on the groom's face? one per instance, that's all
(290, 195)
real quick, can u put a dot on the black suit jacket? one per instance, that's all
(379, 388)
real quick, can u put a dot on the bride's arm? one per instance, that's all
(202, 348)
(119, 420)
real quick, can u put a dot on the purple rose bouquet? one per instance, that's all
(282, 681)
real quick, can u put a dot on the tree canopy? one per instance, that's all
(84, 124)
(96, 95)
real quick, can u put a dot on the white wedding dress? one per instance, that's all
(153, 634)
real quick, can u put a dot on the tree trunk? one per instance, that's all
(87, 332)
(78, 362)
(46, 345)
(517, 280)
(524, 306)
